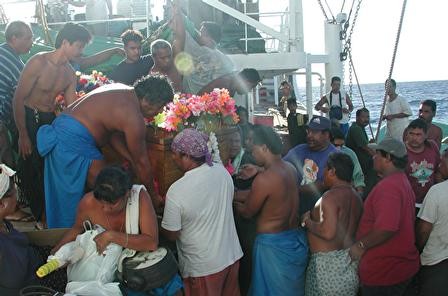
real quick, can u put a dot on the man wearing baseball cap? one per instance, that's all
(310, 159)
(385, 242)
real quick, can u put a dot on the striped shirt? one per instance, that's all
(11, 65)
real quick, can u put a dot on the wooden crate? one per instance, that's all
(164, 168)
(158, 145)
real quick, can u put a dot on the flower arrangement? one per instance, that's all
(208, 113)
(85, 84)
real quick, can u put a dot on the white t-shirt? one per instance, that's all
(396, 127)
(200, 206)
(343, 104)
(435, 211)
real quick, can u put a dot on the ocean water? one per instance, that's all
(414, 92)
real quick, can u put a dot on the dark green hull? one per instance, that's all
(97, 44)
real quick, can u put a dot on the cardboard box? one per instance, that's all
(46, 237)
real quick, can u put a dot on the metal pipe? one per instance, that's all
(148, 17)
(309, 89)
(276, 90)
(333, 48)
(247, 19)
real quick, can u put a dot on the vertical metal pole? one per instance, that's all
(296, 25)
(148, 17)
(295, 85)
(333, 48)
(257, 94)
(276, 90)
(245, 28)
(250, 106)
(309, 89)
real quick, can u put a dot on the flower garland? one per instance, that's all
(213, 148)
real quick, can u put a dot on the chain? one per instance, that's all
(348, 42)
(403, 9)
(350, 76)
(347, 51)
(323, 10)
(354, 19)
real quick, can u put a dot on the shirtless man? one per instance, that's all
(163, 57)
(112, 114)
(107, 205)
(46, 75)
(280, 249)
(331, 228)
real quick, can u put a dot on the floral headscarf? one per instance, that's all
(193, 143)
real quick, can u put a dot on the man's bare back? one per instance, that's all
(112, 115)
(274, 195)
(341, 209)
(111, 108)
(279, 211)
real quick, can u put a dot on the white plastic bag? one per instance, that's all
(93, 273)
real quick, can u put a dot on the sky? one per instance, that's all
(422, 46)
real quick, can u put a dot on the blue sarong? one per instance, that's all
(279, 263)
(169, 289)
(68, 150)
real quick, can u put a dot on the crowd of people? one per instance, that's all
(335, 215)
(396, 180)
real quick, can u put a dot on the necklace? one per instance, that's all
(109, 226)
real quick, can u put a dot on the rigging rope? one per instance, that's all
(329, 9)
(44, 23)
(359, 88)
(391, 69)
(349, 45)
(342, 7)
(323, 10)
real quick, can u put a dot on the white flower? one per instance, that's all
(212, 145)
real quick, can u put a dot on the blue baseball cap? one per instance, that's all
(319, 123)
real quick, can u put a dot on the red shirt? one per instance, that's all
(420, 169)
(390, 207)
